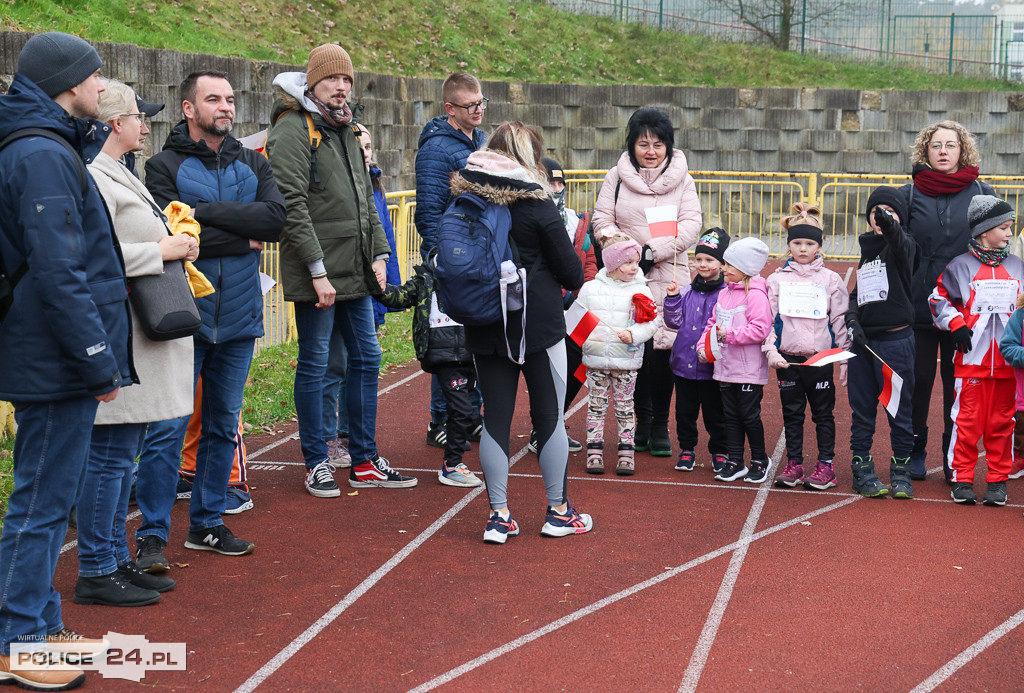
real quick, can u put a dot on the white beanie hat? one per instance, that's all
(748, 255)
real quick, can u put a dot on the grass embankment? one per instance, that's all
(519, 41)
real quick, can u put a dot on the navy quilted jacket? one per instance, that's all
(443, 151)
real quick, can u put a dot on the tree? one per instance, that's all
(779, 22)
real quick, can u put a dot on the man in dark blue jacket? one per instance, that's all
(64, 345)
(445, 144)
(239, 208)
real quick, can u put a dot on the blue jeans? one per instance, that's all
(335, 417)
(103, 498)
(353, 320)
(49, 464)
(157, 484)
(864, 385)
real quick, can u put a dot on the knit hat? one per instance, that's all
(326, 60)
(554, 169)
(56, 61)
(987, 212)
(713, 242)
(884, 195)
(807, 231)
(748, 255)
(619, 253)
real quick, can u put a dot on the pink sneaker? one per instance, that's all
(337, 452)
(791, 476)
(824, 477)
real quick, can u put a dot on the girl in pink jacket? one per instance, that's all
(742, 320)
(809, 302)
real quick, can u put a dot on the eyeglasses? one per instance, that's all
(477, 107)
(140, 116)
(950, 146)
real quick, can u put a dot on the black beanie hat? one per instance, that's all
(56, 61)
(811, 233)
(713, 242)
(885, 195)
(554, 169)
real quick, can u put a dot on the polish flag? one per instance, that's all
(891, 388)
(579, 323)
(824, 358)
(712, 348)
(581, 374)
(256, 141)
(662, 221)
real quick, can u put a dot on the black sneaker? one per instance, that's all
(731, 471)
(574, 445)
(995, 494)
(112, 589)
(150, 556)
(532, 445)
(475, 431)
(759, 471)
(320, 481)
(144, 580)
(963, 493)
(220, 540)
(378, 472)
(437, 435)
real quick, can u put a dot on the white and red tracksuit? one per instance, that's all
(985, 385)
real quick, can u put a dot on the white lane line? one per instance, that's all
(989, 639)
(618, 596)
(714, 620)
(74, 542)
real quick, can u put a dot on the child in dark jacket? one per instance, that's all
(687, 311)
(440, 344)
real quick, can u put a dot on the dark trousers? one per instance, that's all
(692, 398)
(741, 409)
(652, 398)
(457, 381)
(928, 341)
(865, 382)
(800, 386)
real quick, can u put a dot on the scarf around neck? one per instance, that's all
(705, 286)
(932, 183)
(993, 257)
(334, 118)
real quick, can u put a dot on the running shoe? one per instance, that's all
(731, 471)
(718, 462)
(378, 472)
(184, 487)
(337, 453)
(237, 499)
(759, 471)
(995, 495)
(963, 493)
(792, 475)
(564, 524)
(220, 540)
(498, 530)
(150, 556)
(686, 461)
(459, 476)
(823, 477)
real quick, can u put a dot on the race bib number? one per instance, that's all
(872, 284)
(437, 317)
(994, 296)
(727, 315)
(800, 300)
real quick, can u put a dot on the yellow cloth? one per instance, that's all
(180, 222)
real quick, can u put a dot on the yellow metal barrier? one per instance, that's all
(402, 207)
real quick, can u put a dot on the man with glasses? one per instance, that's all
(445, 144)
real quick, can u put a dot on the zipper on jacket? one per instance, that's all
(216, 309)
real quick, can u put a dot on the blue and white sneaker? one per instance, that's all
(460, 475)
(237, 500)
(499, 529)
(564, 524)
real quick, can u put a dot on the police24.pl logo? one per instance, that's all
(120, 656)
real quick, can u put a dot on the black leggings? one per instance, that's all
(741, 406)
(655, 382)
(928, 341)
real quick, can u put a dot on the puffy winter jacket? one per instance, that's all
(688, 313)
(235, 199)
(669, 184)
(806, 336)
(68, 332)
(392, 271)
(1011, 346)
(748, 317)
(611, 301)
(443, 150)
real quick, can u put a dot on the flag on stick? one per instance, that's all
(712, 349)
(892, 385)
(662, 221)
(824, 358)
(579, 323)
(581, 374)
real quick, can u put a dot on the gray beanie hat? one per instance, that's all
(56, 61)
(987, 212)
(748, 255)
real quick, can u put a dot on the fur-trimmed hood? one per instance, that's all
(291, 91)
(496, 188)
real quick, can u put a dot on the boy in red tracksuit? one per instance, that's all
(974, 298)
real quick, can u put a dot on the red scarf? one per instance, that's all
(932, 183)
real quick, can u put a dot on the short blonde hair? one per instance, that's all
(118, 99)
(968, 145)
(524, 145)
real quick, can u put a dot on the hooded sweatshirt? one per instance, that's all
(747, 317)
(806, 336)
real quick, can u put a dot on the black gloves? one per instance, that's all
(856, 331)
(962, 339)
(646, 259)
(568, 299)
(885, 221)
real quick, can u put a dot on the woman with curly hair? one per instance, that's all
(945, 160)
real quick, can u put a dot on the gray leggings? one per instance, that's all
(499, 382)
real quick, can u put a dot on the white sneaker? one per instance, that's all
(459, 476)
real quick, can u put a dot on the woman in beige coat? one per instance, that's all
(107, 575)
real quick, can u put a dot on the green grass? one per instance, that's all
(520, 41)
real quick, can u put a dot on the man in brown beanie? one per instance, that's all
(333, 256)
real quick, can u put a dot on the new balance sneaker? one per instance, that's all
(378, 472)
(320, 481)
(686, 461)
(718, 462)
(337, 453)
(731, 471)
(963, 493)
(758, 471)
(459, 476)
(498, 529)
(237, 499)
(150, 556)
(792, 475)
(824, 477)
(184, 487)
(220, 540)
(437, 435)
(995, 494)
(564, 524)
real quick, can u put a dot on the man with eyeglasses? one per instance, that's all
(445, 144)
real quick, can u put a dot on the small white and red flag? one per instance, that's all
(581, 374)
(892, 385)
(579, 323)
(662, 221)
(824, 358)
(712, 348)
(256, 141)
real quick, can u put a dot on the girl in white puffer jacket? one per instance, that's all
(615, 349)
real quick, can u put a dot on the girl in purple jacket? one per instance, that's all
(687, 311)
(742, 320)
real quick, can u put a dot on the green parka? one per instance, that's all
(331, 213)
